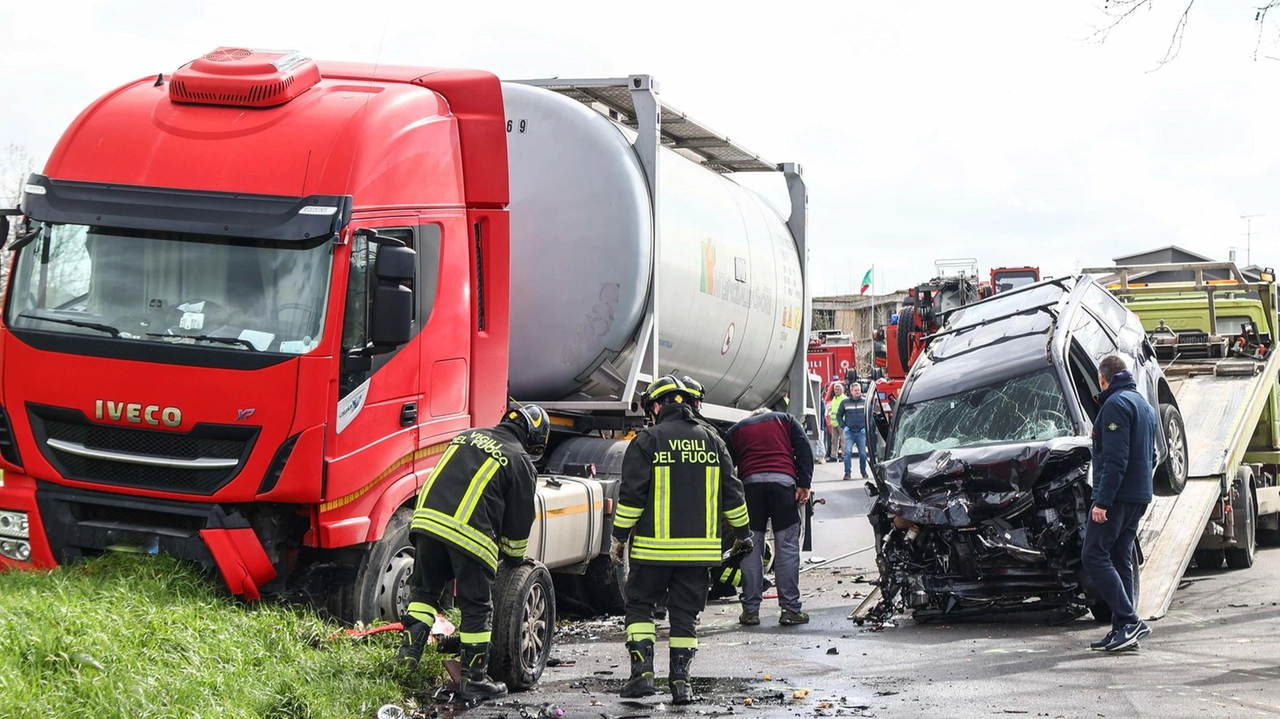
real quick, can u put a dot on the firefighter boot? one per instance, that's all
(474, 684)
(641, 682)
(681, 690)
(415, 638)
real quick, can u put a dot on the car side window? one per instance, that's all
(1107, 307)
(1092, 338)
(1084, 379)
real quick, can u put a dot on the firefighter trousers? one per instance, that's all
(685, 589)
(436, 564)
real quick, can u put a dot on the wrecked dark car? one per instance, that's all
(982, 476)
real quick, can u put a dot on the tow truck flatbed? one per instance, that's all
(1227, 400)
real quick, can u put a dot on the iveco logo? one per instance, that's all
(152, 414)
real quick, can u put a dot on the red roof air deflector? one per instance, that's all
(244, 78)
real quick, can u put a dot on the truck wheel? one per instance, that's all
(1101, 612)
(1209, 558)
(1245, 512)
(606, 586)
(906, 324)
(524, 620)
(1171, 475)
(380, 590)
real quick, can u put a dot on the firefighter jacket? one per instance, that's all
(479, 498)
(677, 483)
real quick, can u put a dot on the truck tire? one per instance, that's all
(606, 586)
(1209, 558)
(906, 325)
(1171, 475)
(1245, 514)
(380, 590)
(1100, 611)
(524, 621)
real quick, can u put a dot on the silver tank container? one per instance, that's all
(730, 298)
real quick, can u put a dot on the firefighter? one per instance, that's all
(726, 578)
(677, 483)
(475, 510)
(696, 393)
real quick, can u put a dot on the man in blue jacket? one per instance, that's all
(1124, 440)
(852, 415)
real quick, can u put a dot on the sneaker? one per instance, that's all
(848, 477)
(1128, 635)
(1100, 645)
(789, 618)
(749, 619)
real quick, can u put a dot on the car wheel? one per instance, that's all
(1171, 475)
(524, 621)
(1246, 523)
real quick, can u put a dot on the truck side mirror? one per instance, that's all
(391, 306)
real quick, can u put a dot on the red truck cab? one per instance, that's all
(252, 302)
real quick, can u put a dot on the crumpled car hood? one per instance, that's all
(962, 486)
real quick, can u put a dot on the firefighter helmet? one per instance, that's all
(664, 389)
(536, 424)
(696, 391)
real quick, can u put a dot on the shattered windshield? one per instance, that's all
(1023, 409)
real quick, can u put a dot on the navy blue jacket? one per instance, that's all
(1124, 445)
(852, 413)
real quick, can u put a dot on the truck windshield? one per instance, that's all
(1023, 409)
(250, 295)
(1006, 281)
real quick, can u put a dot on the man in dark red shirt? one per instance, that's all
(775, 461)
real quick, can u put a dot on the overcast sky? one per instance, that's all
(927, 130)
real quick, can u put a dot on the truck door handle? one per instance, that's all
(409, 414)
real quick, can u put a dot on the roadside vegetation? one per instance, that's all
(149, 636)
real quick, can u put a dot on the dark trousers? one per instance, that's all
(438, 563)
(685, 589)
(1107, 556)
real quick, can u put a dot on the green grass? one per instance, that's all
(143, 636)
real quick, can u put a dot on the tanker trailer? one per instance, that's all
(724, 272)
(631, 259)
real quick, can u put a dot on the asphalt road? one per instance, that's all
(1217, 653)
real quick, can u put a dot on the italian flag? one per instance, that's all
(866, 281)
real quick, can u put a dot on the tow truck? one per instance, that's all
(1216, 340)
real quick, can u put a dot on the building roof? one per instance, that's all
(1162, 255)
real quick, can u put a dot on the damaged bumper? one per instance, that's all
(981, 530)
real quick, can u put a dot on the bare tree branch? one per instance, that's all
(15, 165)
(1119, 10)
(1260, 17)
(1175, 41)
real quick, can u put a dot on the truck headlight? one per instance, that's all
(13, 525)
(16, 549)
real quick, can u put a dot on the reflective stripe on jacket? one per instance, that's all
(677, 484)
(479, 497)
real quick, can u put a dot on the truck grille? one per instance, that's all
(127, 455)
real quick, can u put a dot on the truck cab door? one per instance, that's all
(378, 391)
